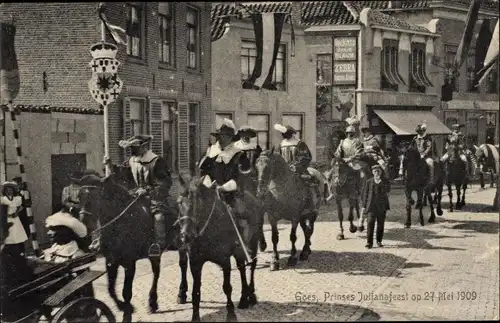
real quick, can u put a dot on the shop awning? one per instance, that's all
(404, 122)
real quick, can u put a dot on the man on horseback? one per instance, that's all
(458, 139)
(349, 148)
(298, 156)
(425, 147)
(251, 150)
(206, 164)
(373, 149)
(148, 174)
(230, 164)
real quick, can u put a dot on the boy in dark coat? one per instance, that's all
(375, 203)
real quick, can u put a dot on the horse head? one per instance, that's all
(453, 152)
(192, 207)
(409, 158)
(269, 166)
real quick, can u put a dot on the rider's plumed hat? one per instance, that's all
(247, 131)
(138, 140)
(227, 128)
(90, 178)
(284, 129)
(353, 121)
(9, 184)
(66, 220)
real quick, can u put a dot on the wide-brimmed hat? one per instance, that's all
(75, 176)
(456, 126)
(9, 184)
(67, 220)
(350, 129)
(226, 129)
(247, 131)
(377, 166)
(285, 129)
(90, 178)
(136, 141)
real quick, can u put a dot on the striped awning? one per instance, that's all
(404, 122)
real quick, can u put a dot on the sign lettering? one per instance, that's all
(345, 48)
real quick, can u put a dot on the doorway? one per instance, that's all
(62, 168)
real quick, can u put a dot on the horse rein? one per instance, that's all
(187, 217)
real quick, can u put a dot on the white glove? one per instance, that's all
(140, 191)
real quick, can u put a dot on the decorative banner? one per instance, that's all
(105, 85)
(9, 72)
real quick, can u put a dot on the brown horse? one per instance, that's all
(345, 183)
(126, 234)
(208, 233)
(284, 196)
(456, 174)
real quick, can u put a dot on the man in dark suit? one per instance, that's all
(375, 203)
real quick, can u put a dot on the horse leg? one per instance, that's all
(196, 267)
(481, 180)
(492, 179)
(464, 188)
(112, 270)
(428, 196)
(228, 290)
(409, 204)
(292, 261)
(275, 265)
(183, 287)
(340, 214)
(153, 295)
(439, 197)
(240, 263)
(420, 197)
(262, 238)
(352, 227)
(450, 195)
(458, 205)
(308, 230)
(252, 298)
(127, 291)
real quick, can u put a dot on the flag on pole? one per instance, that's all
(268, 28)
(9, 71)
(470, 23)
(114, 30)
(491, 55)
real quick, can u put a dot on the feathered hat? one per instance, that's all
(227, 128)
(284, 129)
(421, 127)
(456, 126)
(9, 184)
(247, 131)
(67, 220)
(136, 141)
(353, 121)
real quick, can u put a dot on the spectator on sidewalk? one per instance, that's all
(375, 204)
(70, 194)
(26, 197)
(14, 243)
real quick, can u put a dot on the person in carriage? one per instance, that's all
(298, 156)
(457, 138)
(425, 146)
(229, 170)
(66, 232)
(147, 174)
(373, 149)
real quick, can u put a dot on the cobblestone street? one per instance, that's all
(444, 271)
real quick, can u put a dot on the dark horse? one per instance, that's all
(416, 178)
(208, 233)
(345, 183)
(126, 234)
(456, 174)
(284, 196)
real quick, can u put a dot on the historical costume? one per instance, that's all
(206, 163)
(298, 156)
(457, 138)
(64, 230)
(375, 204)
(251, 150)
(230, 166)
(373, 149)
(149, 174)
(14, 243)
(425, 147)
(349, 148)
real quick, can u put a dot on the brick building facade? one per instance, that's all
(162, 95)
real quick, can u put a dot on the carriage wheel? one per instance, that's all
(85, 309)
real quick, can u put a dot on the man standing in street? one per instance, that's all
(70, 195)
(26, 198)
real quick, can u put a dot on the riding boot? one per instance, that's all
(159, 244)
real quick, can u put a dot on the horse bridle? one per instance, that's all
(195, 211)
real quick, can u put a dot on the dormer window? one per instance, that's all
(390, 77)
(418, 76)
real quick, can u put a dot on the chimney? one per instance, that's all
(296, 12)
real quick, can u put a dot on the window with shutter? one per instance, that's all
(183, 137)
(194, 136)
(127, 124)
(155, 124)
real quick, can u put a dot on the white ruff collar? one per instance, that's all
(289, 142)
(148, 157)
(65, 250)
(213, 150)
(421, 136)
(227, 153)
(240, 144)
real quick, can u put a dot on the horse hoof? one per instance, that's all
(181, 299)
(439, 212)
(407, 225)
(243, 304)
(195, 318)
(274, 266)
(304, 255)
(361, 228)
(432, 219)
(262, 246)
(340, 237)
(450, 210)
(153, 307)
(231, 317)
(353, 229)
(292, 261)
(252, 300)
(422, 222)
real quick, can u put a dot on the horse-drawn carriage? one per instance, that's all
(57, 292)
